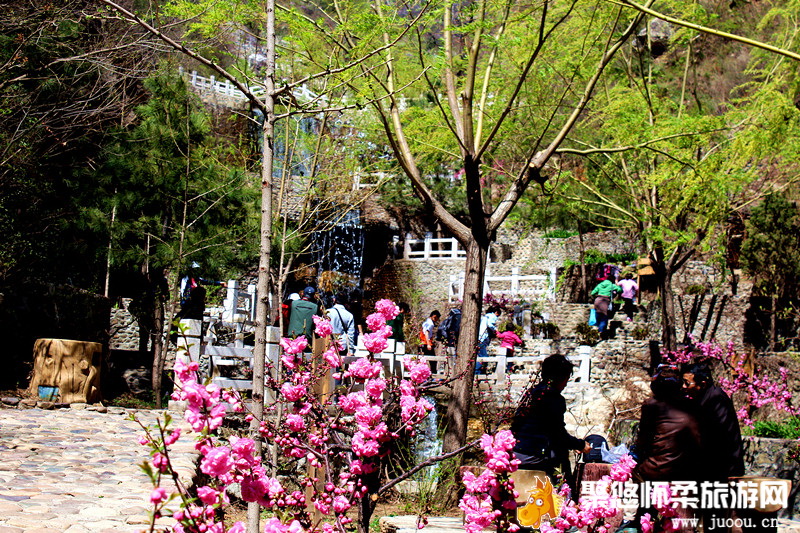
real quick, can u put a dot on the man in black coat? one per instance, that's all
(722, 451)
(719, 425)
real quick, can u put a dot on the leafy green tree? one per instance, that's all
(176, 203)
(771, 255)
(672, 168)
(67, 78)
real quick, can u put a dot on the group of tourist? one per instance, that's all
(605, 292)
(345, 312)
(688, 429)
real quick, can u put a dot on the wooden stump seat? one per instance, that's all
(73, 367)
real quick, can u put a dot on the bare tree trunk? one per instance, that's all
(459, 405)
(773, 322)
(584, 291)
(160, 355)
(668, 333)
(265, 251)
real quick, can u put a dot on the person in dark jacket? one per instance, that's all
(722, 450)
(720, 432)
(543, 442)
(668, 444)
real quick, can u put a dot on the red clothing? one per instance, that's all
(508, 339)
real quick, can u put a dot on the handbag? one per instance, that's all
(592, 317)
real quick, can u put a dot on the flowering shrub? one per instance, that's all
(334, 445)
(490, 497)
(757, 390)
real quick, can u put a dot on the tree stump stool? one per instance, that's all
(66, 368)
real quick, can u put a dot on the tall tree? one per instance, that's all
(771, 255)
(67, 78)
(175, 201)
(670, 158)
(482, 66)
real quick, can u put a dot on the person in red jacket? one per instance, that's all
(508, 341)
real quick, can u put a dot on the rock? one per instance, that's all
(137, 380)
(78, 406)
(10, 400)
(28, 403)
(45, 405)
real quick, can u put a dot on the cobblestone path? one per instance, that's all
(76, 471)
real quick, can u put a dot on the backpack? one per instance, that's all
(595, 454)
(451, 324)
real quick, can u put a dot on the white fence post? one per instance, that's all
(515, 281)
(407, 247)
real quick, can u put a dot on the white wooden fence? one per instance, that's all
(226, 88)
(429, 248)
(500, 371)
(534, 286)
(228, 357)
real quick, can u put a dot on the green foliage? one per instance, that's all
(55, 113)
(593, 256)
(560, 234)
(789, 429)
(696, 289)
(771, 251)
(176, 201)
(547, 330)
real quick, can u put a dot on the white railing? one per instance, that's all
(534, 286)
(367, 180)
(429, 248)
(223, 358)
(225, 87)
(501, 373)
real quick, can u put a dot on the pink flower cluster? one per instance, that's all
(593, 511)
(205, 404)
(311, 430)
(490, 497)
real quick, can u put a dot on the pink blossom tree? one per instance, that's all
(751, 388)
(332, 446)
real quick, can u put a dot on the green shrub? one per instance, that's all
(790, 429)
(560, 234)
(548, 330)
(587, 334)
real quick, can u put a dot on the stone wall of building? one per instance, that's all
(421, 284)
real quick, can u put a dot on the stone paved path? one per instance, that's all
(76, 471)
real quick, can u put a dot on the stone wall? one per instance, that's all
(421, 284)
(771, 457)
(538, 252)
(124, 328)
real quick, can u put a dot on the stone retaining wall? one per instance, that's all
(770, 457)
